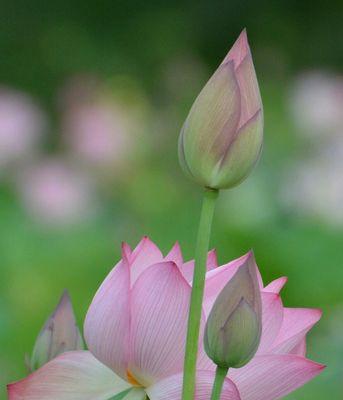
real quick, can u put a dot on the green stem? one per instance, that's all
(221, 373)
(195, 310)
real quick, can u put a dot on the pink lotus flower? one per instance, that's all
(135, 330)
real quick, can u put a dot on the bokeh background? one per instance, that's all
(92, 98)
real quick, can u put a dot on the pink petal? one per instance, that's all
(276, 285)
(175, 255)
(71, 376)
(218, 278)
(210, 137)
(187, 268)
(243, 152)
(145, 254)
(272, 316)
(212, 261)
(250, 93)
(273, 376)
(204, 362)
(239, 50)
(299, 349)
(107, 321)
(159, 312)
(296, 323)
(171, 388)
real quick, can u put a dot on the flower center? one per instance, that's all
(131, 379)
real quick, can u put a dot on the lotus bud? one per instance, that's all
(233, 328)
(58, 335)
(221, 139)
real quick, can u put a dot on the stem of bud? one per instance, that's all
(203, 239)
(221, 373)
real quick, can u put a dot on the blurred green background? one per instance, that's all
(92, 98)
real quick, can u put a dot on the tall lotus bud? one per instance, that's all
(221, 139)
(59, 334)
(233, 329)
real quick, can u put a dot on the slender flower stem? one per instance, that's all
(194, 318)
(221, 373)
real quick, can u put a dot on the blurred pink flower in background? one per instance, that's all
(98, 127)
(135, 330)
(55, 193)
(316, 102)
(314, 187)
(22, 124)
(313, 184)
(98, 134)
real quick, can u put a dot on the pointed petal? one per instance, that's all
(175, 255)
(160, 301)
(239, 50)
(74, 375)
(58, 335)
(242, 154)
(272, 316)
(276, 285)
(218, 278)
(145, 254)
(210, 137)
(273, 376)
(296, 323)
(251, 100)
(187, 268)
(212, 261)
(171, 388)
(107, 321)
(240, 54)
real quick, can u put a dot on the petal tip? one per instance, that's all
(126, 252)
(250, 254)
(318, 313)
(239, 50)
(12, 390)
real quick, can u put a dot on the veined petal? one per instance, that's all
(296, 323)
(299, 349)
(272, 317)
(218, 278)
(212, 123)
(145, 254)
(242, 154)
(187, 268)
(239, 50)
(240, 54)
(107, 322)
(175, 255)
(273, 376)
(276, 285)
(212, 261)
(75, 375)
(159, 312)
(251, 100)
(171, 388)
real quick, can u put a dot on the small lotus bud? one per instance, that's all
(233, 328)
(59, 334)
(221, 139)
